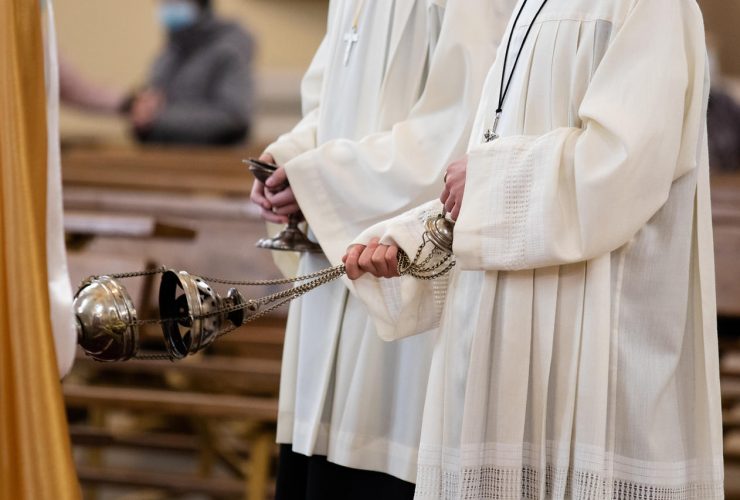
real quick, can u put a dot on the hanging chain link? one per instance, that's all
(271, 282)
(420, 268)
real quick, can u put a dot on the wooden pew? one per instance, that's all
(87, 223)
(79, 222)
(265, 341)
(730, 390)
(158, 203)
(727, 250)
(159, 168)
(170, 402)
(149, 169)
(253, 375)
(726, 218)
(260, 411)
(85, 435)
(178, 484)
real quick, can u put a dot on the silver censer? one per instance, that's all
(192, 315)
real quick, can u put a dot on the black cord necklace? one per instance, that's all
(491, 134)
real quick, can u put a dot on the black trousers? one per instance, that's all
(314, 478)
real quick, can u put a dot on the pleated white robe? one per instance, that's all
(577, 355)
(375, 139)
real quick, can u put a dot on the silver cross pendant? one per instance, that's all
(350, 38)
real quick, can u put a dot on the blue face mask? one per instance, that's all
(176, 16)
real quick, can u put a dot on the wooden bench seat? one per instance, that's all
(86, 222)
(730, 364)
(205, 365)
(179, 484)
(85, 435)
(253, 375)
(727, 249)
(261, 339)
(89, 223)
(171, 402)
(730, 390)
(732, 446)
(726, 216)
(146, 168)
(160, 203)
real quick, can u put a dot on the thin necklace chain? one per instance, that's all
(506, 83)
(358, 13)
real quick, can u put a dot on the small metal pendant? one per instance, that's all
(491, 134)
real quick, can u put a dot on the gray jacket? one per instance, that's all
(205, 73)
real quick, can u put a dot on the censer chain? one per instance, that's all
(221, 281)
(419, 268)
(320, 278)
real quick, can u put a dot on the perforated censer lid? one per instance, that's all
(440, 230)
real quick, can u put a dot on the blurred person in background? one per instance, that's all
(200, 89)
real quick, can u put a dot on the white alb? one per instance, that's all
(577, 354)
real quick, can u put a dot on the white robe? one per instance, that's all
(375, 139)
(577, 355)
(60, 291)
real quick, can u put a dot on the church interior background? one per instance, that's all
(204, 428)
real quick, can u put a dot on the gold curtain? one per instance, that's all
(35, 453)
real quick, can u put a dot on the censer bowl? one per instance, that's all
(106, 320)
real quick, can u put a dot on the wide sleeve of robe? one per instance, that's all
(344, 186)
(577, 193)
(405, 306)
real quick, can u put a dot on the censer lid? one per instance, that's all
(440, 231)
